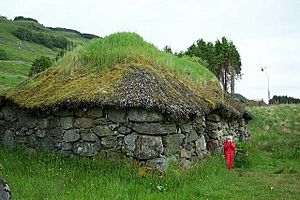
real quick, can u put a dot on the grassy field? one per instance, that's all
(273, 171)
(12, 73)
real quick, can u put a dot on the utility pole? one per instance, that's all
(263, 69)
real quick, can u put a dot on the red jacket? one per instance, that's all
(229, 147)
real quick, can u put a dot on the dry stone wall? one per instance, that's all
(146, 136)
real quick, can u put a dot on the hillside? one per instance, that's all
(21, 52)
(273, 171)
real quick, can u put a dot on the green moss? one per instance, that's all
(125, 71)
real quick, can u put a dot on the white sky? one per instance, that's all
(266, 32)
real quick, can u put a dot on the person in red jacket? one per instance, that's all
(229, 147)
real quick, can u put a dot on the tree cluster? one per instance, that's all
(45, 39)
(222, 58)
(284, 100)
(18, 18)
(84, 35)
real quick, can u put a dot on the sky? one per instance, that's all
(265, 32)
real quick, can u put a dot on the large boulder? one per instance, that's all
(95, 113)
(140, 115)
(116, 115)
(83, 123)
(143, 147)
(8, 139)
(172, 143)
(27, 120)
(85, 149)
(66, 122)
(71, 135)
(213, 117)
(103, 130)
(154, 128)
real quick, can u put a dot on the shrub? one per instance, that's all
(39, 65)
(3, 54)
(242, 155)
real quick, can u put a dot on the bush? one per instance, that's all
(3, 54)
(39, 65)
(242, 155)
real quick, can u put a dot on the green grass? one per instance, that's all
(12, 73)
(126, 48)
(269, 175)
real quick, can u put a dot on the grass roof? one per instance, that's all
(123, 70)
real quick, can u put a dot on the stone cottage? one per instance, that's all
(134, 110)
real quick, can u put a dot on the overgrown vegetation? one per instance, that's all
(101, 69)
(39, 65)
(269, 174)
(3, 54)
(45, 39)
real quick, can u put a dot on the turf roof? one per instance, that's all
(122, 70)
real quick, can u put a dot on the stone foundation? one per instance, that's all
(145, 136)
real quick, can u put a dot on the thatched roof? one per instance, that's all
(133, 79)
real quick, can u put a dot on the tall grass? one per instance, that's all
(126, 48)
(268, 176)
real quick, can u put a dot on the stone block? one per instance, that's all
(186, 128)
(46, 144)
(110, 142)
(141, 115)
(63, 113)
(9, 114)
(172, 143)
(154, 128)
(116, 115)
(8, 139)
(213, 118)
(40, 133)
(95, 113)
(42, 123)
(55, 132)
(65, 146)
(66, 122)
(85, 149)
(160, 164)
(80, 112)
(52, 123)
(200, 145)
(104, 130)
(27, 120)
(89, 137)
(143, 147)
(31, 140)
(191, 136)
(71, 135)
(100, 121)
(83, 123)
(215, 134)
(124, 130)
